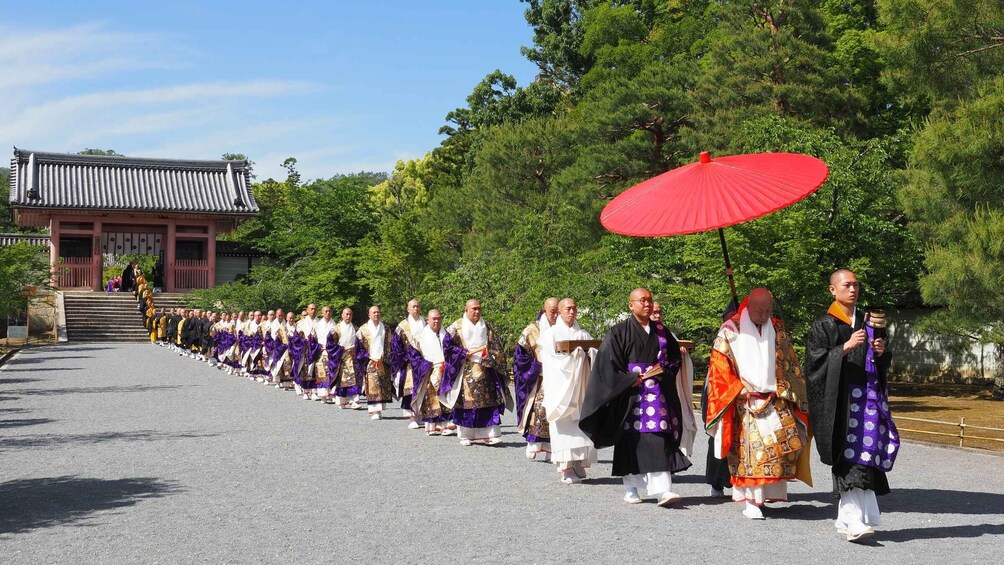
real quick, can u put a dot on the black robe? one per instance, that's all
(128, 278)
(205, 332)
(610, 398)
(171, 329)
(716, 471)
(828, 374)
(186, 333)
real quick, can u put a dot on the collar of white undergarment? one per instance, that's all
(753, 350)
(431, 344)
(475, 335)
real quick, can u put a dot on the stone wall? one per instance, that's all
(921, 357)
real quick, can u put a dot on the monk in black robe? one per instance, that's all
(128, 277)
(632, 403)
(846, 369)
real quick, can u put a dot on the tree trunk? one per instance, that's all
(998, 392)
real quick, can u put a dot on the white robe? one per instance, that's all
(565, 376)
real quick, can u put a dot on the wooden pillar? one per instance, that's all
(97, 258)
(54, 249)
(211, 254)
(169, 257)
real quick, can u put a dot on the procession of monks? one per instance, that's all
(572, 395)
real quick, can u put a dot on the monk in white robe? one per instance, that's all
(565, 376)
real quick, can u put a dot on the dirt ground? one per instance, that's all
(948, 403)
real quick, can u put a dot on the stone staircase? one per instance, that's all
(109, 316)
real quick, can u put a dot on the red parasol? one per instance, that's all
(713, 194)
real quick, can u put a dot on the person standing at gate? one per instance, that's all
(128, 277)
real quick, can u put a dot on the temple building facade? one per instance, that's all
(98, 207)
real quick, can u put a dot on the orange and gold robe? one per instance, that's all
(757, 460)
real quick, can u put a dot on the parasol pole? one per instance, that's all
(728, 268)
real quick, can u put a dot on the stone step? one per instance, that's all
(109, 317)
(108, 330)
(110, 325)
(93, 335)
(94, 332)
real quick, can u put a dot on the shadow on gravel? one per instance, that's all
(95, 389)
(48, 369)
(948, 532)
(30, 504)
(940, 501)
(17, 423)
(822, 505)
(18, 381)
(53, 440)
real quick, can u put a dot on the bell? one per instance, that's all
(876, 320)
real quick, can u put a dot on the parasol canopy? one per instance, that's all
(712, 194)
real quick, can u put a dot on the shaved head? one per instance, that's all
(414, 309)
(840, 274)
(637, 293)
(568, 310)
(845, 288)
(551, 310)
(435, 320)
(760, 305)
(641, 305)
(473, 310)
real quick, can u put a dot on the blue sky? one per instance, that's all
(343, 86)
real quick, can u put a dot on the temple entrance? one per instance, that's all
(103, 211)
(123, 243)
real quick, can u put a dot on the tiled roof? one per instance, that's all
(41, 180)
(38, 240)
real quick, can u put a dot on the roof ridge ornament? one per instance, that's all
(32, 174)
(238, 201)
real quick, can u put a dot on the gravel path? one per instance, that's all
(131, 454)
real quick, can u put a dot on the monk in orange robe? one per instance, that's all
(757, 406)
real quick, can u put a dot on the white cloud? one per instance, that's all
(90, 86)
(34, 57)
(52, 101)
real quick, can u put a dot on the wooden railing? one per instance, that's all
(74, 272)
(191, 273)
(961, 434)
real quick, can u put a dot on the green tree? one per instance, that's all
(6, 218)
(557, 36)
(108, 152)
(312, 233)
(953, 191)
(409, 249)
(941, 49)
(21, 266)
